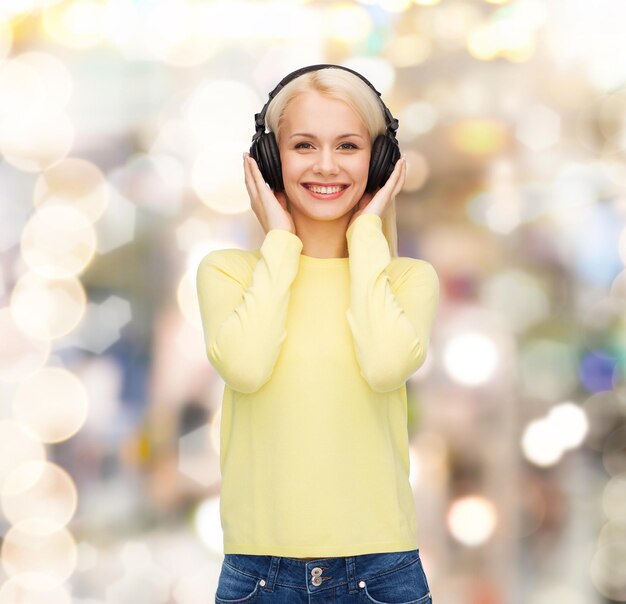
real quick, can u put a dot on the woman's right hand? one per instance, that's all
(269, 207)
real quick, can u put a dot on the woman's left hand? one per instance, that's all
(378, 203)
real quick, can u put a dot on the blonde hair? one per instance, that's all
(345, 86)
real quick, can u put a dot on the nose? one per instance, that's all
(326, 162)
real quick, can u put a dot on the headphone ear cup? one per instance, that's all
(373, 176)
(265, 153)
(385, 154)
(275, 163)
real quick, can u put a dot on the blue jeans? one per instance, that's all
(384, 578)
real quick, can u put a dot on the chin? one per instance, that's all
(323, 210)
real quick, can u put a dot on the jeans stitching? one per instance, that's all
(422, 600)
(239, 570)
(390, 570)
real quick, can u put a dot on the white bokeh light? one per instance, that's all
(570, 422)
(546, 439)
(472, 520)
(470, 358)
(541, 444)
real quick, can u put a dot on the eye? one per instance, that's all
(301, 145)
(349, 145)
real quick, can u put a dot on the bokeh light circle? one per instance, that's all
(58, 241)
(56, 78)
(614, 454)
(76, 182)
(472, 520)
(33, 143)
(76, 23)
(22, 92)
(570, 422)
(217, 178)
(607, 570)
(605, 412)
(47, 309)
(39, 489)
(52, 404)
(39, 552)
(541, 444)
(471, 358)
(614, 498)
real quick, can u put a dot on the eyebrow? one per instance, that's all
(307, 134)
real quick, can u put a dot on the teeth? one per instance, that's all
(325, 190)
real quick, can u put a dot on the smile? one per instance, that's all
(320, 192)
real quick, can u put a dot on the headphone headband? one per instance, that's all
(259, 118)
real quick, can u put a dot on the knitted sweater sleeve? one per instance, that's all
(390, 325)
(244, 311)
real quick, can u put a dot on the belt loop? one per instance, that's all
(351, 572)
(272, 573)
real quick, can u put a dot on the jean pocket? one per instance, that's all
(236, 586)
(405, 585)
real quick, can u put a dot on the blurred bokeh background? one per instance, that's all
(122, 125)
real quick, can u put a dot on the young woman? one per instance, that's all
(315, 335)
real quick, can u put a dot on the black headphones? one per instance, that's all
(264, 149)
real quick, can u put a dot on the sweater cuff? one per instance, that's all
(289, 242)
(373, 220)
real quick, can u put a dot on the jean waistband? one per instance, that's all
(322, 573)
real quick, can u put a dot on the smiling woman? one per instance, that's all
(315, 335)
(333, 107)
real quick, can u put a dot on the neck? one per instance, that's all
(322, 238)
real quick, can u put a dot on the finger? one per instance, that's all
(402, 176)
(246, 174)
(256, 174)
(399, 166)
(260, 187)
(249, 180)
(393, 177)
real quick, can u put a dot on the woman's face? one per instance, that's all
(325, 152)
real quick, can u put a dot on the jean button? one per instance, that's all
(316, 580)
(361, 583)
(317, 571)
